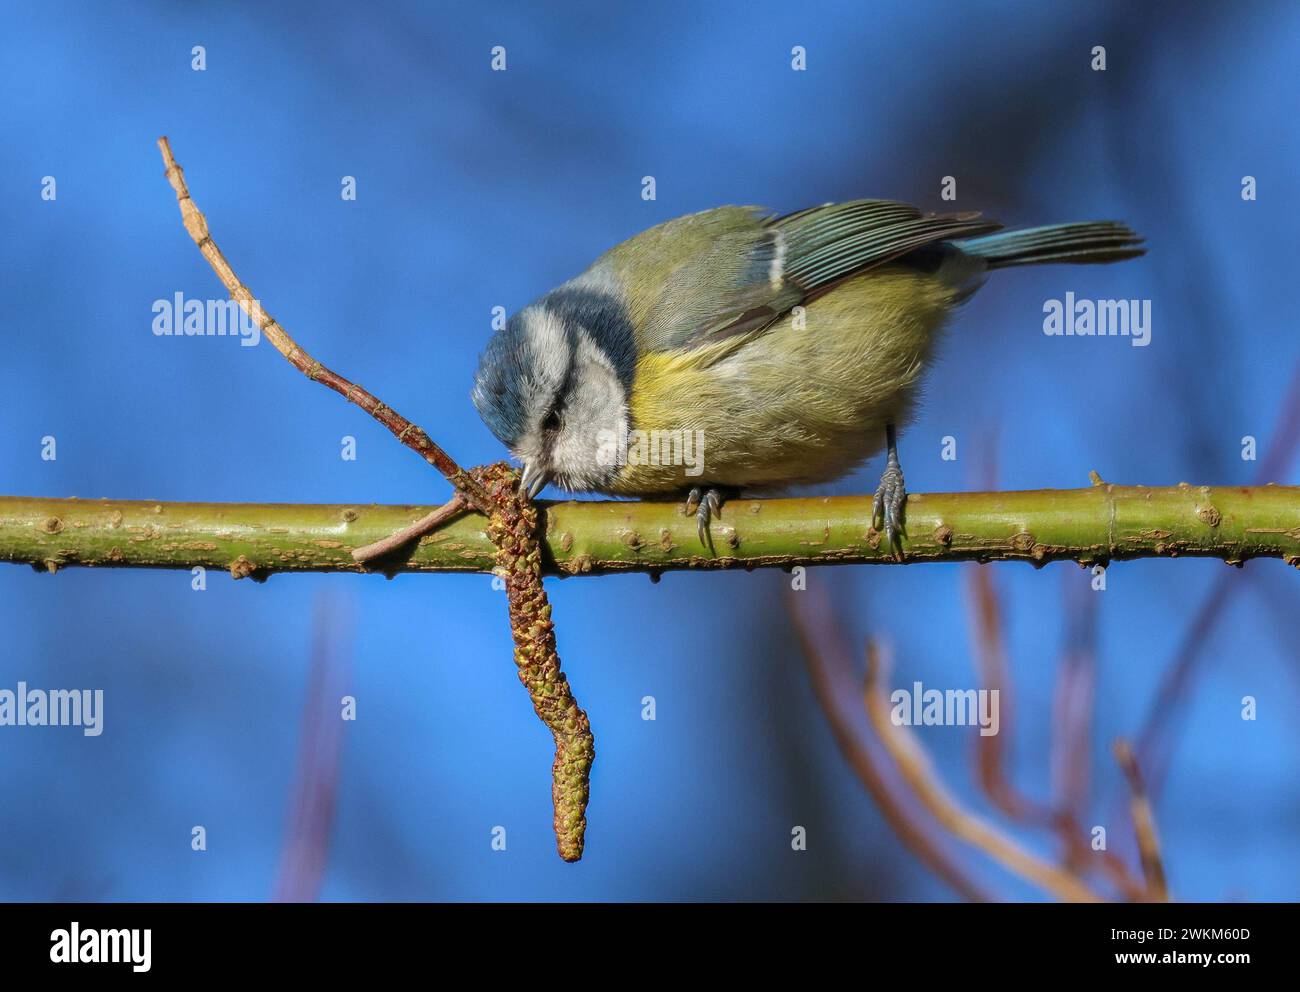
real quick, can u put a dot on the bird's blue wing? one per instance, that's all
(733, 271)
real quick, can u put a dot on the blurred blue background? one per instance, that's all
(477, 189)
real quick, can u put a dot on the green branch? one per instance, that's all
(1095, 525)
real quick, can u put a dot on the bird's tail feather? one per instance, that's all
(1097, 241)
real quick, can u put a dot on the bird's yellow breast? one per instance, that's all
(803, 401)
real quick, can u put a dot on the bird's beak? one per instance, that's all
(534, 480)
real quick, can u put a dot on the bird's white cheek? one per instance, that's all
(580, 457)
(529, 449)
(596, 423)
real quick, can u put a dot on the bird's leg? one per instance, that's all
(890, 496)
(709, 502)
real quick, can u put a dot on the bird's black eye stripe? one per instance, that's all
(552, 421)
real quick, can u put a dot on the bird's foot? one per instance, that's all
(705, 503)
(887, 507)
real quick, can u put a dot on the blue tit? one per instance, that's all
(735, 350)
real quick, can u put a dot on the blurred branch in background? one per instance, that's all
(1280, 598)
(830, 669)
(306, 843)
(1072, 712)
(920, 775)
(912, 779)
(1144, 822)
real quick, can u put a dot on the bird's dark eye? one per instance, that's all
(552, 422)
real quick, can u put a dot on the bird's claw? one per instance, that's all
(705, 504)
(887, 507)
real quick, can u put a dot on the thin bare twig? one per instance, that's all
(920, 775)
(408, 433)
(456, 505)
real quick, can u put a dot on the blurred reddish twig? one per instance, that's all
(984, 610)
(306, 844)
(1072, 707)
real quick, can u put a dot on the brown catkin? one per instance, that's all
(513, 529)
